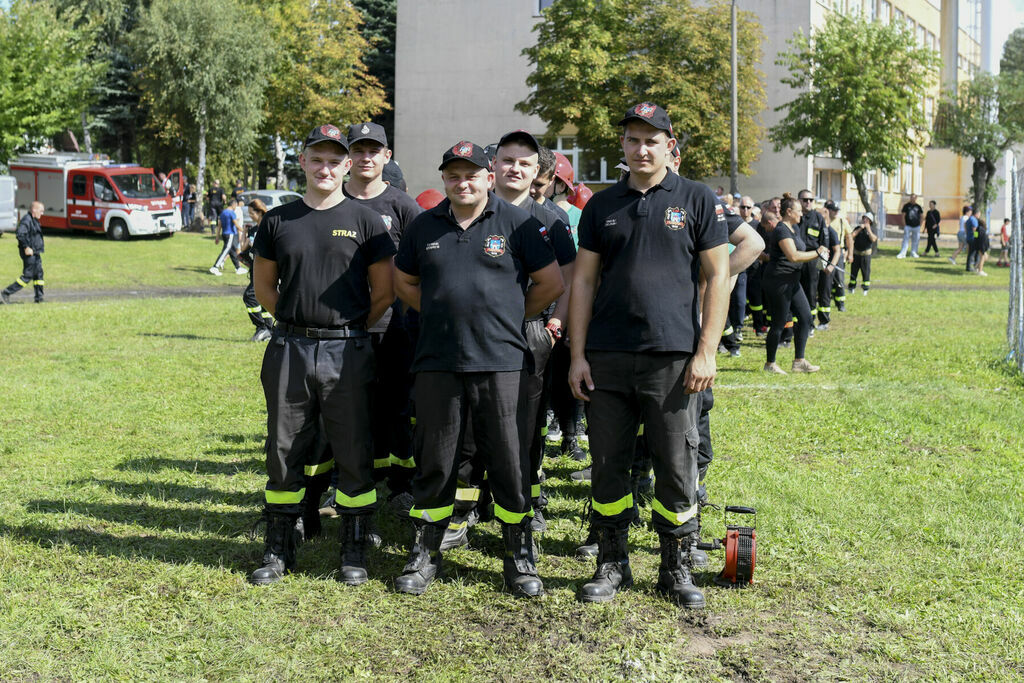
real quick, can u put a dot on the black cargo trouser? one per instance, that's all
(446, 402)
(534, 398)
(392, 429)
(755, 296)
(861, 266)
(31, 274)
(631, 388)
(838, 287)
(824, 297)
(809, 276)
(705, 454)
(567, 408)
(308, 382)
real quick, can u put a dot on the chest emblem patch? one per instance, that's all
(675, 218)
(387, 221)
(494, 245)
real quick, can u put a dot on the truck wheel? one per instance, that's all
(117, 231)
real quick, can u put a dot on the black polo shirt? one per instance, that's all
(555, 230)
(323, 259)
(473, 285)
(732, 218)
(559, 211)
(397, 209)
(814, 231)
(649, 247)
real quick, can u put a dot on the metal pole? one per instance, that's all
(734, 153)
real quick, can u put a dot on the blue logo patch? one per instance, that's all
(494, 245)
(675, 218)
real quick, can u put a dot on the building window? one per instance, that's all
(871, 180)
(929, 112)
(540, 6)
(897, 16)
(886, 11)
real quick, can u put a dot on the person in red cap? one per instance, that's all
(465, 266)
(428, 199)
(636, 360)
(322, 268)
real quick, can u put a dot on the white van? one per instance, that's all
(8, 214)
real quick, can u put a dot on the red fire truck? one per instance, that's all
(83, 192)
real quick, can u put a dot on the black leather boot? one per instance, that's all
(589, 547)
(674, 578)
(520, 566)
(424, 563)
(354, 538)
(315, 488)
(279, 550)
(613, 573)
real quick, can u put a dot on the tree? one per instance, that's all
(317, 74)
(378, 28)
(42, 87)
(982, 121)
(1012, 60)
(202, 73)
(861, 85)
(587, 70)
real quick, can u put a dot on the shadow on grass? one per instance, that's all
(184, 494)
(253, 465)
(238, 555)
(186, 520)
(195, 337)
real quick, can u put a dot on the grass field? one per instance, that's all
(889, 491)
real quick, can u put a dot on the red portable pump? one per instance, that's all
(740, 544)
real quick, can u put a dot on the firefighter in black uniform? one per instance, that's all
(465, 265)
(392, 432)
(814, 231)
(516, 163)
(634, 359)
(323, 268)
(30, 248)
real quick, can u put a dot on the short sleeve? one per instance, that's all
(585, 230)
(533, 250)
(561, 240)
(263, 245)
(378, 244)
(406, 260)
(710, 229)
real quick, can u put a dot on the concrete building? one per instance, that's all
(459, 72)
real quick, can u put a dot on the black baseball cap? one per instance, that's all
(520, 136)
(325, 133)
(393, 175)
(367, 131)
(650, 114)
(831, 205)
(465, 151)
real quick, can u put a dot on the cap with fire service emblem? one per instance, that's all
(367, 131)
(465, 151)
(325, 133)
(650, 114)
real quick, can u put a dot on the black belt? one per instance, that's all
(349, 332)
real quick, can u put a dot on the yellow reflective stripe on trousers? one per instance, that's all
(254, 309)
(362, 500)
(676, 518)
(378, 463)
(21, 282)
(325, 466)
(39, 282)
(468, 493)
(285, 497)
(615, 508)
(727, 331)
(510, 517)
(266, 315)
(432, 514)
(409, 463)
(640, 432)
(756, 308)
(534, 490)
(544, 430)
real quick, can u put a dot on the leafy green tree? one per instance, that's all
(42, 87)
(202, 74)
(378, 28)
(982, 121)
(860, 86)
(587, 70)
(1012, 61)
(317, 74)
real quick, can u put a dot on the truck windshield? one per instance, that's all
(138, 185)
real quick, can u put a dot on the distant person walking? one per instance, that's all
(912, 214)
(215, 198)
(931, 226)
(970, 233)
(188, 206)
(981, 247)
(1004, 243)
(229, 225)
(961, 234)
(259, 316)
(30, 249)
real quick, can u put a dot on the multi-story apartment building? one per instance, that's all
(459, 73)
